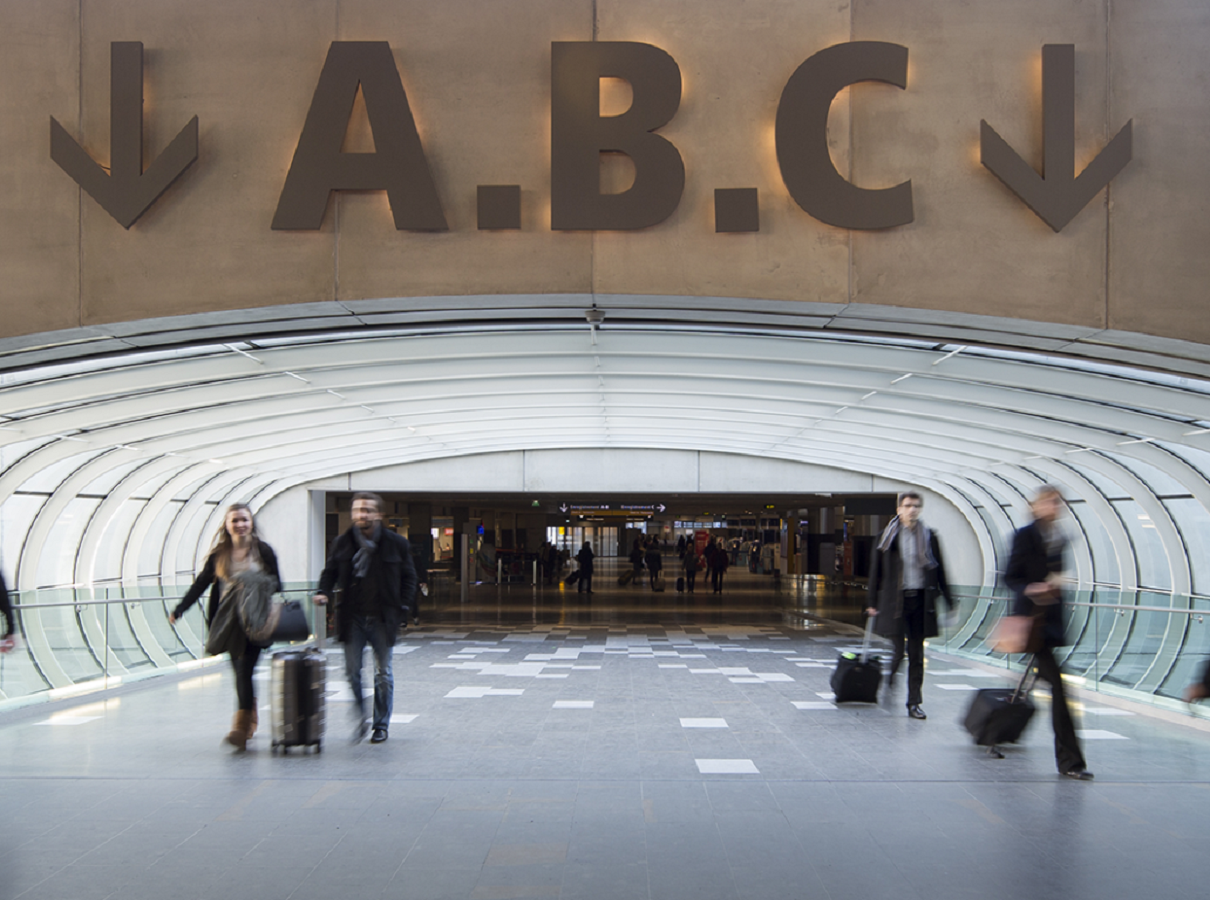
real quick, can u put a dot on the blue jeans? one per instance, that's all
(364, 631)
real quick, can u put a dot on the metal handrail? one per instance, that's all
(1167, 609)
(78, 603)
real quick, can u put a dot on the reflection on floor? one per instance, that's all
(745, 597)
(695, 757)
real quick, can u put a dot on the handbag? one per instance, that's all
(1017, 634)
(291, 623)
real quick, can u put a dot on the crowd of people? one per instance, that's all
(373, 569)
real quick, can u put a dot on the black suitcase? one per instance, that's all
(572, 578)
(999, 715)
(857, 676)
(297, 683)
(680, 585)
(625, 578)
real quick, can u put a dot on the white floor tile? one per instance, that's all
(727, 767)
(1093, 734)
(573, 704)
(704, 723)
(814, 704)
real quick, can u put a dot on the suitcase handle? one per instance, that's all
(1028, 674)
(865, 644)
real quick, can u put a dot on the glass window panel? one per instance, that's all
(17, 514)
(57, 559)
(999, 491)
(15, 450)
(152, 550)
(49, 479)
(1193, 522)
(1199, 459)
(112, 546)
(62, 627)
(1147, 630)
(1194, 653)
(1105, 568)
(1110, 489)
(1152, 561)
(147, 489)
(107, 482)
(187, 492)
(1159, 482)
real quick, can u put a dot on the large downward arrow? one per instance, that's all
(1056, 195)
(125, 191)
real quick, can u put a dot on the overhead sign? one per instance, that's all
(579, 134)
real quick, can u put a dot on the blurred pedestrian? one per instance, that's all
(1035, 576)
(7, 641)
(237, 555)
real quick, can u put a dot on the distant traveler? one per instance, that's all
(680, 546)
(655, 562)
(372, 566)
(7, 641)
(689, 564)
(718, 560)
(584, 558)
(636, 559)
(236, 552)
(1035, 576)
(907, 575)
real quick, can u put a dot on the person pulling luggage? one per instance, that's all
(907, 575)
(1035, 576)
(237, 552)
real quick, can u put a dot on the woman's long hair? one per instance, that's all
(223, 544)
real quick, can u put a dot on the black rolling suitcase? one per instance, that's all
(999, 715)
(857, 676)
(297, 684)
(680, 585)
(625, 578)
(572, 578)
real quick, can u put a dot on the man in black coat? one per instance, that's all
(1035, 576)
(372, 567)
(906, 577)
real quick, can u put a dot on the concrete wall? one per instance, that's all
(478, 78)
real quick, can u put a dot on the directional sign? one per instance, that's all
(1056, 195)
(125, 191)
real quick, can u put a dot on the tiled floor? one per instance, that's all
(689, 760)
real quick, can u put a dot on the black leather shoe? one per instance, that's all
(916, 712)
(1078, 774)
(380, 735)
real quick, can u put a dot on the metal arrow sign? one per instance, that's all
(1057, 195)
(125, 191)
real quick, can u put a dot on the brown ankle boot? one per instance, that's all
(253, 721)
(238, 736)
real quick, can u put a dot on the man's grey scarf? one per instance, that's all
(366, 548)
(924, 547)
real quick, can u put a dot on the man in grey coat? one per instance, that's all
(907, 576)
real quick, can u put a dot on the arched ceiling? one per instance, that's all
(251, 417)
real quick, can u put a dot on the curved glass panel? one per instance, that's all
(110, 549)
(50, 478)
(1154, 571)
(1109, 488)
(17, 514)
(1105, 568)
(1193, 522)
(57, 559)
(1159, 482)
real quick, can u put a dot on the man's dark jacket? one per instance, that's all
(396, 572)
(1027, 564)
(886, 581)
